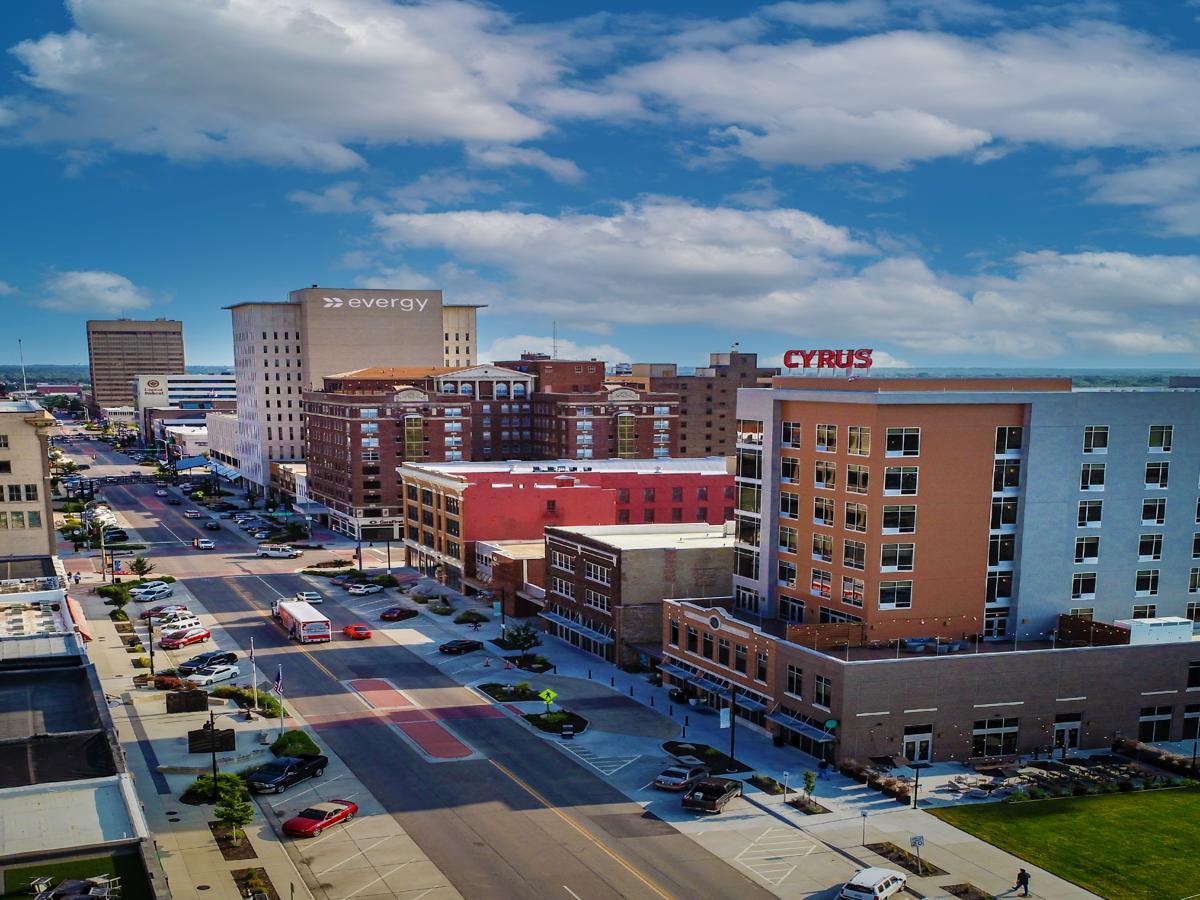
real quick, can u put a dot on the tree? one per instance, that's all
(140, 566)
(523, 638)
(810, 782)
(233, 808)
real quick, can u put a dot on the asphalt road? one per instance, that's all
(525, 822)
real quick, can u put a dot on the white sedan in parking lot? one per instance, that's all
(213, 674)
(160, 493)
(360, 589)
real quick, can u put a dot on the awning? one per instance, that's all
(707, 684)
(800, 726)
(80, 620)
(190, 462)
(227, 472)
(675, 671)
(576, 627)
(749, 703)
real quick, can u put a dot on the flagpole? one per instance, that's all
(253, 676)
(279, 683)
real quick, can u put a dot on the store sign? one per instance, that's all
(827, 359)
(154, 386)
(404, 304)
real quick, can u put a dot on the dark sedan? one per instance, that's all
(398, 614)
(454, 648)
(213, 526)
(711, 794)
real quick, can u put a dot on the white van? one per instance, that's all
(176, 620)
(279, 550)
(874, 883)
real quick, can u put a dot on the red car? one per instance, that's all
(182, 639)
(398, 614)
(311, 821)
(359, 632)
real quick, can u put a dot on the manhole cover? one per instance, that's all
(202, 887)
(172, 812)
(174, 820)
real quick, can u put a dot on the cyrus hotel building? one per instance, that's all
(954, 568)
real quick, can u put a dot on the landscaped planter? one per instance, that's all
(718, 763)
(553, 722)
(905, 860)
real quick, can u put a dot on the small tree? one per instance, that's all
(234, 809)
(810, 782)
(523, 638)
(140, 566)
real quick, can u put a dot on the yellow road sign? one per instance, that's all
(548, 695)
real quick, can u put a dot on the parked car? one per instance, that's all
(162, 609)
(205, 660)
(261, 535)
(679, 778)
(455, 648)
(678, 695)
(160, 593)
(206, 544)
(197, 634)
(225, 515)
(398, 614)
(185, 486)
(212, 674)
(173, 622)
(191, 514)
(358, 632)
(312, 820)
(213, 526)
(279, 774)
(308, 597)
(174, 501)
(711, 794)
(360, 590)
(115, 536)
(160, 493)
(148, 586)
(346, 580)
(223, 506)
(874, 883)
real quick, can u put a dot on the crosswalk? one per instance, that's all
(605, 765)
(776, 853)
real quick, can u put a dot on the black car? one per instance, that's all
(281, 773)
(462, 646)
(212, 526)
(174, 501)
(711, 794)
(115, 537)
(83, 466)
(398, 614)
(224, 507)
(678, 695)
(204, 660)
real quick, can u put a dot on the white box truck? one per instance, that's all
(302, 622)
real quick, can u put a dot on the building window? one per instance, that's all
(854, 554)
(787, 539)
(674, 638)
(1193, 675)
(787, 575)
(745, 563)
(1154, 511)
(858, 440)
(1083, 612)
(723, 652)
(1154, 724)
(895, 594)
(903, 442)
(748, 531)
(706, 645)
(1006, 476)
(1008, 439)
(1090, 513)
(739, 658)
(1146, 583)
(998, 587)
(1193, 586)
(789, 470)
(749, 465)
(1160, 438)
(597, 573)
(562, 587)
(596, 600)
(995, 737)
(899, 519)
(897, 557)
(827, 438)
(1150, 547)
(791, 434)
(856, 479)
(822, 584)
(822, 510)
(1002, 549)
(899, 480)
(823, 692)
(825, 475)
(1091, 477)
(791, 609)
(692, 638)
(789, 505)
(822, 547)
(795, 681)
(1083, 586)
(31, 493)
(1004, 513)
(626, 436)
(856, 517)
(1157, 474)
(1095, 439)
(853, 590)
(560, 560)
(1144, 611)
(1087, 549)
(760, 666)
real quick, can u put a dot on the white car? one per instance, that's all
(360, 589)
(874, 883)
(213, 674)
(181, 627)
(148, 586)
(309, 597)
(160, 493)
(205, 544)
(192, 514)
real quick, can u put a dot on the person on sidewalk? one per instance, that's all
(823, 770)
(77, 578)
(1022, 882)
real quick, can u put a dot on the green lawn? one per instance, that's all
(133, 877)
(1120, 846)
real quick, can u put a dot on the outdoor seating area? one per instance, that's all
(97, 886)
(1102, 773)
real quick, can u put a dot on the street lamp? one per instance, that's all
(786, 776)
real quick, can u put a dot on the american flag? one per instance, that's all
(277, 684)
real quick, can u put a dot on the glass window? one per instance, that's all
(1083, 585)
(787, 574)
(795, 681)
(1091, 477)
(1008, 439)
(693, 637)
(825, 475)
(822, 547)
(739, 658)
(760, 666)
(827, 438)
(822, 583)
(1004, 513)
(853, 590)
(1150, 546)
(31, 493)
(706, 645)
(749, 464)
(789, 470)
(899, 519)
(1001, 549)
(854, 554)
(791, 434)
(789, 505)
(1144, 611)
(822, 511)
(1090, 513)
(1146, 583)
(856, 517)
(787, 540)
(1154, 511)
(857, 479)
(1095, 439)
(900, 481)
(858, 440)
(897, 557)
(1087, 549)
(903, 442)
(998, 586)
(895, 594)
(1160, 438)
(823, 692)
(1157, 474)
(1006, 475)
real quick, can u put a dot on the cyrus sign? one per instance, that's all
(404, 304)
(827, 359)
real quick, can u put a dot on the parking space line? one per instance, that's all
(380, 878)
(362, 852)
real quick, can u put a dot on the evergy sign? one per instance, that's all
(827, 359)
(404, 304)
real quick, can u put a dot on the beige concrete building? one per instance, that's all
(119, 350)
(283, 348)
(26, 520)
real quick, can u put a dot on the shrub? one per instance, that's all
(293, 743)
(1018, 797)
(1108, 787)
(268, 704)
(852, 768)
(418, 598)
(119, 615)
(522, 687)
(387, 581)
(201, 790)
(441, 609)
(1037, 793)
(469, 616)
(141, 662)
(171, 683)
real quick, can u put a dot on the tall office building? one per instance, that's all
(119, 350)
(26, 520)
(283, 348)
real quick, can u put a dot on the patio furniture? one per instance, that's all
(976, 793)
(40, 884)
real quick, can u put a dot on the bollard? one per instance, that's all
(683, 731)
(631, 690)
(671, 710)
(612, 681)
(589, 674)
(651, 699)
(686, 722)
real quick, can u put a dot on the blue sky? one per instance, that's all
(952, 182)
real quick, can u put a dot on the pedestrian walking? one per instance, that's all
(823, 770)
(77, 579)
(1022, 882)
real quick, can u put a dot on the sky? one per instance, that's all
(949, 182)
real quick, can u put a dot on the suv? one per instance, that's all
(308, 597)
(874, 883)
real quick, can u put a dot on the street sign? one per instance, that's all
(916, 841)
(495, 607)
(864, 813)
(548, 696)
(725, 717)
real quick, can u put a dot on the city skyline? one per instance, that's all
(621, 178)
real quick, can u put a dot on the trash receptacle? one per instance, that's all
(568, 732)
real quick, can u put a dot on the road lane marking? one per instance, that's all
(616, 857)
(380, 878)
(572, 893)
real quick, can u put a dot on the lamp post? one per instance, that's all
(786, 776)
(150, 637)
(211, 727)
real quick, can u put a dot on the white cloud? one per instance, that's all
(440, 188)
(664, 261)
(106, 293)
(894, 98)
(1168, 185)
(512, 348)
(760, 193)
(6, 288)
(295, 82)
(500, 157)
(337, 198)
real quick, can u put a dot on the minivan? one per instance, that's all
(177, 620)
(277, 550)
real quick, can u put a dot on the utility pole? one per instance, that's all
(150, 635)
(253, 677)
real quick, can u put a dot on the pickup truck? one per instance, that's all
(280, 774)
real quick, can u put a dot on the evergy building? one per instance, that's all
(283, 348)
